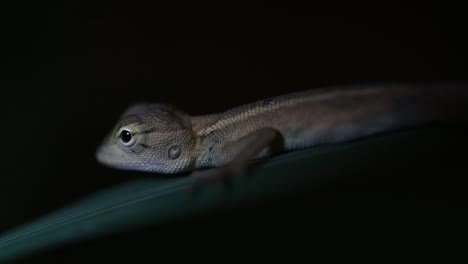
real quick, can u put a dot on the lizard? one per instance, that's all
(161, 138)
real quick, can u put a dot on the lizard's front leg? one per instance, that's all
(241, 152)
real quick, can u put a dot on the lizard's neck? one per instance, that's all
(200, 123)
(201, 147)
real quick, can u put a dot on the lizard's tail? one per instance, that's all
(437, 102)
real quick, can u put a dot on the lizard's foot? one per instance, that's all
(250, 146)
(213, 176)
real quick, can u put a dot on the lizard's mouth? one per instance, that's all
(108, 155)
(103, 156)
(111, 156)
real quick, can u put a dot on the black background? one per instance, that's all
(69, 69)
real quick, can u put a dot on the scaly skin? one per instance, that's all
(166, 140)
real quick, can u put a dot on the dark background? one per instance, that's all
(69, 69)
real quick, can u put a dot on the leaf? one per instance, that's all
(146, 201)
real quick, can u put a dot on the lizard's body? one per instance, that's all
(303, 119)
(170, 141)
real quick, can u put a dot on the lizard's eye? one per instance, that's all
(127, 138)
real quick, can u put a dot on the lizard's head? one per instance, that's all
(149, 137)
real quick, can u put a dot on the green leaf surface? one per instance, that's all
(146, 201)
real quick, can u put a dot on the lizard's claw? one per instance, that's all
(213, 176)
